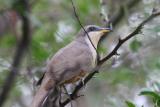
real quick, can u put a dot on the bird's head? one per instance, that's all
(94, 32)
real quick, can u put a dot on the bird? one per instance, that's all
(72, 62)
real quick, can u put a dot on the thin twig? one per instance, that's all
(112, 53)
(22, 46)
(76, 15)
(121, 41)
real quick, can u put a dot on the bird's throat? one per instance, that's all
(93, 50)
(95, 37)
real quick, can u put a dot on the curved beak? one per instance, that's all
(105, 30)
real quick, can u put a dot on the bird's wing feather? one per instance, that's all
(70, 60)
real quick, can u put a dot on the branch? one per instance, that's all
(121, 41)
(112, 53)
(118, 15)
(21, 48)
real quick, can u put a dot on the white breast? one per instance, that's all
(93, 51)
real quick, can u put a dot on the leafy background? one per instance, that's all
(136, 71)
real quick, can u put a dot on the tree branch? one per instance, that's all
(112, 53)
(21, 48)
(121, 41)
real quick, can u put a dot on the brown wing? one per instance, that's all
(70, 60)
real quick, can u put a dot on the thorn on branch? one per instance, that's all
(140, 30)
(80, 96)
(73, 97)
(116, 53)
(120, 40)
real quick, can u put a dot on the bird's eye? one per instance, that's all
(92, 28)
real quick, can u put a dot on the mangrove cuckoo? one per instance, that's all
(72, 62)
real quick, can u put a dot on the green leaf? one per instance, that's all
(155, 96)
(150, 93)
(130, 104)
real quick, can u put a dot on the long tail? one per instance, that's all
(42, 93)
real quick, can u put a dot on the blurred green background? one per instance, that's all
(54, 25)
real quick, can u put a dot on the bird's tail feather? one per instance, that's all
(42, 93)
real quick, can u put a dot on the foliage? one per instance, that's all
(153, 95)
(130, 104)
